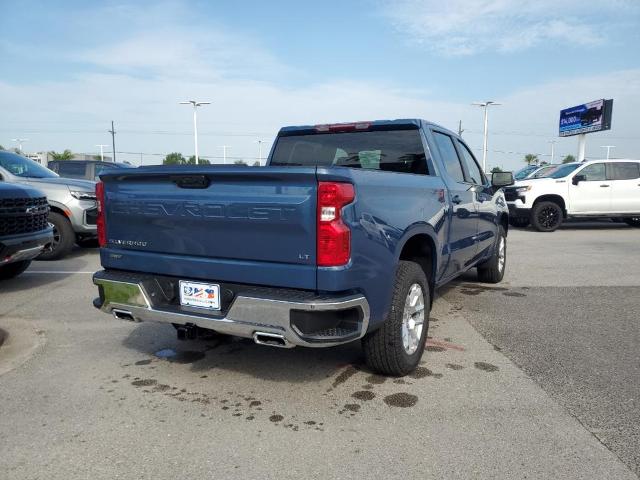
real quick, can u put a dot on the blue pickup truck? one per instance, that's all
(344, 235)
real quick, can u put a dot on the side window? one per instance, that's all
(449, 156)
(594, 172)
(624, 171)
(475, 174)
(72, 169)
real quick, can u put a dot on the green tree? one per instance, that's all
(496, 170)
(174, 158)
(256, 163)
(530, 158)
(201, 161)
(569, 159)
(240, 162)
(66, 155)
(1, 147)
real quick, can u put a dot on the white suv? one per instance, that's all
(597, 188)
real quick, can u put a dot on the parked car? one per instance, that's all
(73, 202)
(24, 230)
(344, 235)
(525, 172)
(597, 188)
(542, 171)
(87, 169)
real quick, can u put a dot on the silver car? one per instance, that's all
(73, 202)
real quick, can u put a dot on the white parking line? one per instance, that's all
(56, 272)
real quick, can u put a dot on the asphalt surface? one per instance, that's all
(577, 339)
(100, 398)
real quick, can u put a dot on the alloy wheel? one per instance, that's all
(413, 319)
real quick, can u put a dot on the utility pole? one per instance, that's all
(20, 142)
(460, 130)
(113, 140)
(553, 150)
(485, 106)
(608, 147)
(195, 104)
(102, 151)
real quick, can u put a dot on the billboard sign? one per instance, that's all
(586, 118)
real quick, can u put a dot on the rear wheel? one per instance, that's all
(63, 237)
(519, 222)
(546, 216)
(492, 271)
(632, 221)
(13, 269)
(397, 346)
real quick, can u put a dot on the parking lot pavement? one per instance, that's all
(579, 338)
(107, 399)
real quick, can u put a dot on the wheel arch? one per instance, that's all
(558, 199)
(420, 247)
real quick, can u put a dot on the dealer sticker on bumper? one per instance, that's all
(200, 295)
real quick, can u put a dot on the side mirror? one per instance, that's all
(501, 179)
(578, 178)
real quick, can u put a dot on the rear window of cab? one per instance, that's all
(389, 150)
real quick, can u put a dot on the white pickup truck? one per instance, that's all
(596, 188)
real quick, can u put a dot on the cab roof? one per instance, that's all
(359, 126)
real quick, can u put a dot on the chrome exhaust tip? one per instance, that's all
(122, 314)
(271, 340)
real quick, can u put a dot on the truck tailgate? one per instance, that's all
(220, 223)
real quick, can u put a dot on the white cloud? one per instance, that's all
(138, 80)
(465, 27)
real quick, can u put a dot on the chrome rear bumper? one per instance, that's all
(250, 312)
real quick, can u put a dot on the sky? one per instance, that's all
(67, 68)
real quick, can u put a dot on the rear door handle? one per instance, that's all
(456, 199)
(604, 186)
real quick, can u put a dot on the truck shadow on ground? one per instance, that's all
(30, 279)
(582, 225)
(223, 353)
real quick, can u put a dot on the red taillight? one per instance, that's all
(334, 237)
(102, 232)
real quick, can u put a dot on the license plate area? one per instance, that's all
(205, 296)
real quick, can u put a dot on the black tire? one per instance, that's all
(519, 222)
(13, 269)
(63, 237)
(492, 271)
(383, 348)
(632, 221)
(546, 216)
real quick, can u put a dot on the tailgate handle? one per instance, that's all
(191, 181)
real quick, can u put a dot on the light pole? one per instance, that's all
(224, 153)
(260, 142)
(195, 104)
(485, 105)
(608, 147)
(102, 151)
(20, 142)
(553, 150)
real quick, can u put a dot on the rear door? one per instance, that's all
(464, 221)
(593, 195)
(625, 186)
(487, 224)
